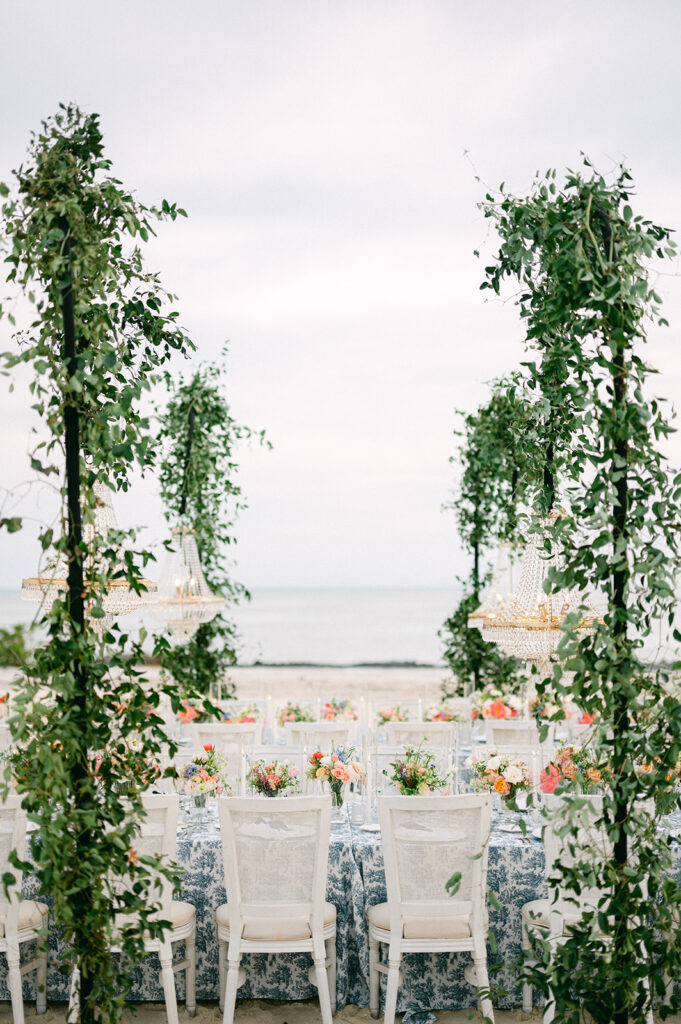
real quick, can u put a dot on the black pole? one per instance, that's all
(185, 474)
(76, 588)
(619, 630)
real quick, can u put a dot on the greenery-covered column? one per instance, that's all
(583, 261)
(199, 438)
(100, 329)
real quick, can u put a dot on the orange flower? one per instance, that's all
(501, 786)
(593, 775)
(132, 856)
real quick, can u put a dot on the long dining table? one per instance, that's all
(356, 881)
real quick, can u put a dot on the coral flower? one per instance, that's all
(501, 786)
(586, 719)
(549, 778)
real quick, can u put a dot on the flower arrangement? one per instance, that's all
(499, 773)
(444, 713)
(573, 768)
(339, 767)
(204, 776)
(339, 711)
(141, 771)
(271, 778)
(295, 713)
(251, 713)
(415, 773)
(396, 714)
(495, 704)
(545, 710)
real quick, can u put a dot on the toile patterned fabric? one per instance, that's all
(356, 882)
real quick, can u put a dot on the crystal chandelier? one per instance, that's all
(119, 598)
(500, 593)
(185, 600)
(530, 627)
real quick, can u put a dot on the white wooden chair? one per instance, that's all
(550, 918)
(426, 839)
(20, 920)
(225, 734)
(158, 837)
(431, 735)
(312, 736)
(508, 734)
(275, 855)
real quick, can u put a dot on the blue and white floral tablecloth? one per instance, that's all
(356, 881)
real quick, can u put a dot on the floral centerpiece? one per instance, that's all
(572, 768)
(396, 714)
(508, 706)
(416, 773)
(271, 778)
(142, 771)
(444, 713)
(251, 713)
(339, 711)
(339, 767)
(543, 709)
(499, 773)
(204, 776)
(295, 713)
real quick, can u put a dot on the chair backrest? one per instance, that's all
(12, 837)
(318, 735)
(382, 754)
(275, 855)
(506, 734)
(427, 734)
(426, 840)
(226, 734)
(591, 845)
(156, 837)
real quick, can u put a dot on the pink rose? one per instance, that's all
(549, 778)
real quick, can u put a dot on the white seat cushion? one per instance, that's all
(31, 915)
(274, 929)
(181, 914)
(422, 927)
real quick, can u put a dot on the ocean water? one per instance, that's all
(324, 626)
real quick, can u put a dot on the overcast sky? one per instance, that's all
(320, 151)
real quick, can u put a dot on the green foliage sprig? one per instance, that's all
(583, 259)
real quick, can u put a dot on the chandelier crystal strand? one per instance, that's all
(119, 598)
(500, 592)
(185, 600)
(530, 628)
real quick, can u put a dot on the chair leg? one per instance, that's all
(374, 977)
(527, 989)
(391, 991)
(73, 1011)
(168, 981)
(222, 972)
(323, 990)
(331, 970)
(230, 991)
(41, 982)
(14, 984)
(190, 974)
(486, 1007)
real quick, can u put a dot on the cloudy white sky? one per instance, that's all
(320, 151)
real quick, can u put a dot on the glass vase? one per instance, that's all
(336, 805)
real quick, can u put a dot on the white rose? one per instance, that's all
(513, 774)
(494, 763)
